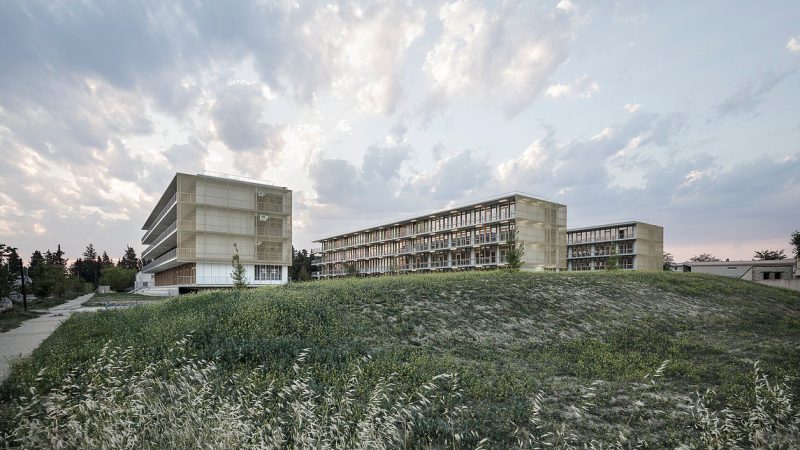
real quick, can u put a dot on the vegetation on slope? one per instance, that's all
(508, 335)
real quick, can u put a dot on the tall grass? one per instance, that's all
(181, 401)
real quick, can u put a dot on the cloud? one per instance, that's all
(632, 107)
(677, 190)
(582, 87)
(455, 177)
(750, 96)
(502, 56)
(237, 116)
(793, 45)
(375, 184)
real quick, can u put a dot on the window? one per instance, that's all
(777, 275)
(268, 273)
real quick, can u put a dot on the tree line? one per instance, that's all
(51, 275)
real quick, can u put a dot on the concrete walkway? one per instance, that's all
(21, 341)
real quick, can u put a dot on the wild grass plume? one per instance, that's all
(574, 347)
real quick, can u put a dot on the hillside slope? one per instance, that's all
(509, 335)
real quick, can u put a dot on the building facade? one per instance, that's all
(466, 237)
(202, 220)
(779, 269)
(634, 246)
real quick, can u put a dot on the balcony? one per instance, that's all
(627, 237)
(160, 239)
(166, 257)
(155, 225)
(425, 230)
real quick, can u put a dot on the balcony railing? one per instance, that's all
(172, 201)
(172, 254)
(160, 238)
(363, 240)
(455, 243)
(627, 237)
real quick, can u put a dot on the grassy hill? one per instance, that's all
(507, 335)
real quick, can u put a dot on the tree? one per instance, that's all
(769, 255)
(704, 257)
(7, 273)
(301, 265)
(38, 272)
(56, 258)
(106, 261)
(516, 250)
(612, 262)
(350, 270)
(118, 278)
(668, 260)
(129, 259)
(796, 243)
(88, 268)
(239, 273)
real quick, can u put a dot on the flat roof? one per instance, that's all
(462, 206)
(608, 225)
(769, 262)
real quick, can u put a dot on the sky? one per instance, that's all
(684, 114)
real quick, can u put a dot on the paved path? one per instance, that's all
(21, 341)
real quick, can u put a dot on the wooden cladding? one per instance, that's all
(170, 277)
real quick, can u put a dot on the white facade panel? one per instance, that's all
(217, 274)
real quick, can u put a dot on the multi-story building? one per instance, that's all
(202, 220)
(469, 236)
(634, 245)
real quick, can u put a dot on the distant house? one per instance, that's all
(746, 270)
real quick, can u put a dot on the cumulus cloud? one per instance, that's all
(582, 87)
(502, 56)
(237, 116)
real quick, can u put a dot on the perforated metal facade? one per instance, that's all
(202, 220)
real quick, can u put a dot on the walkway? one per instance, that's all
(21, 341)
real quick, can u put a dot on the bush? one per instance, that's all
(118, 278)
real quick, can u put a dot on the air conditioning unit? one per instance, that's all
(258, 242)
(263, 217)
(261, 194)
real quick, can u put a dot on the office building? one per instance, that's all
(202, 220)
(471, 236)
(628, 245)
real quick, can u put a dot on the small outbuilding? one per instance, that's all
(780, 272)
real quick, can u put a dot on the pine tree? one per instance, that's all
(516, 250)
(129, 259)
(239, 274)
(106, 260)
(90, 253)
